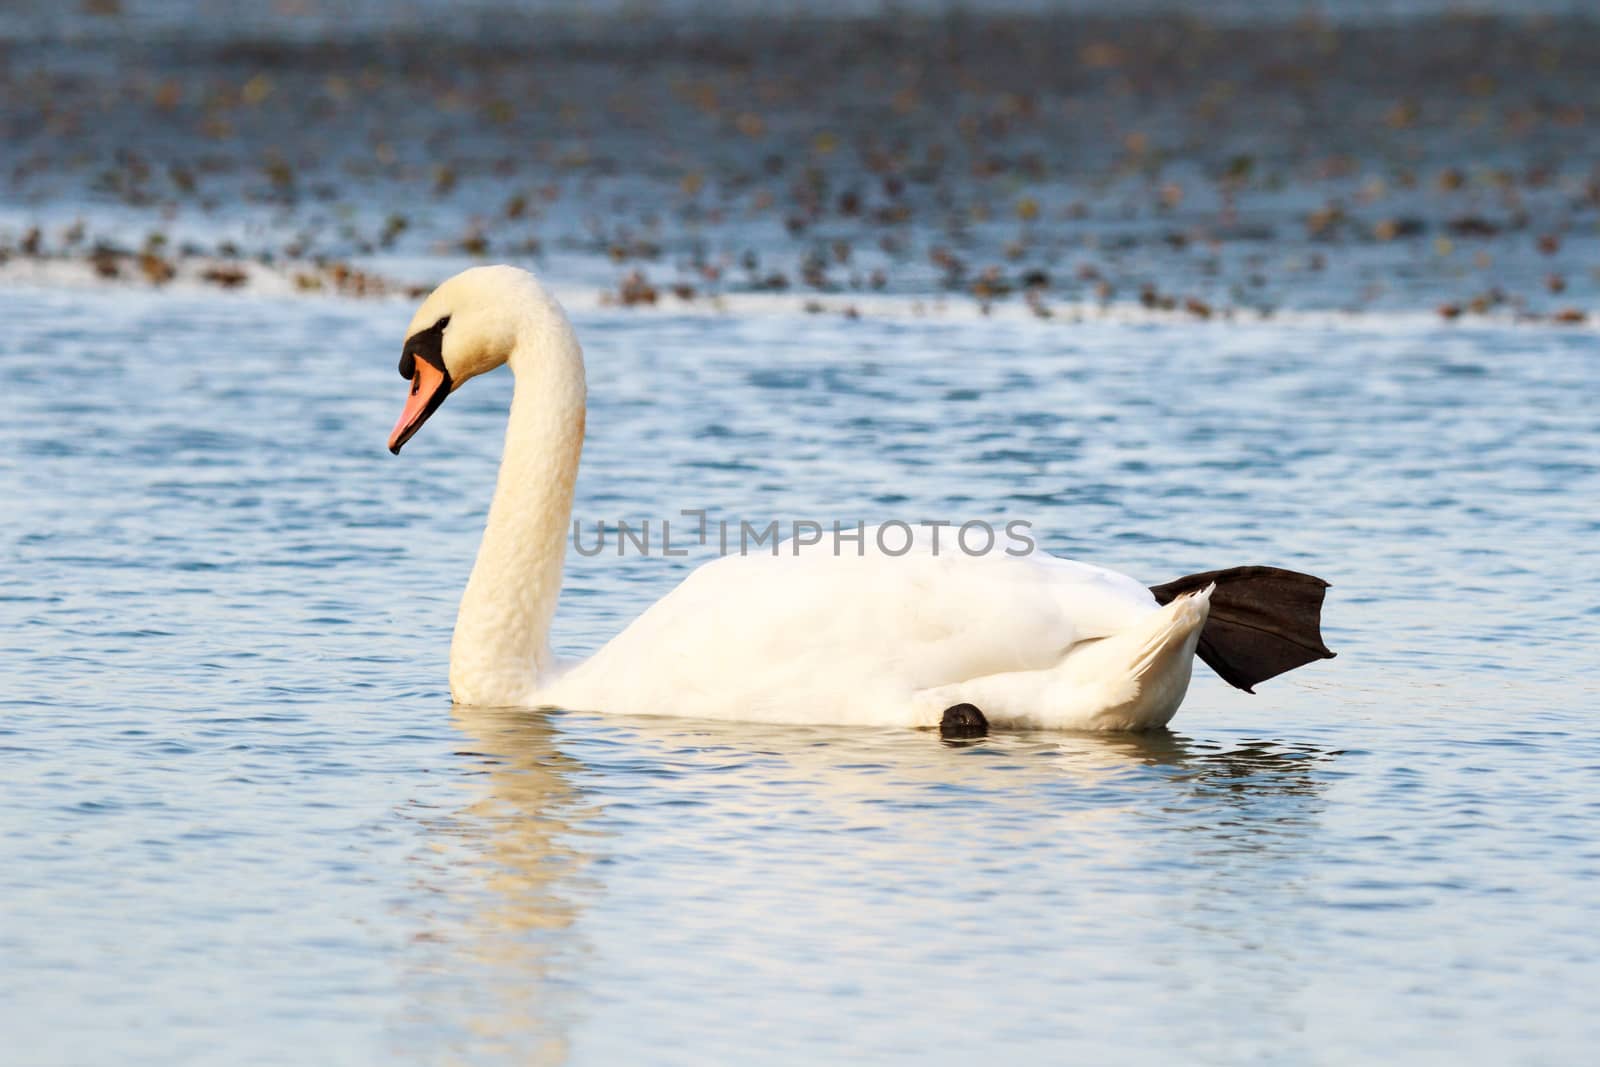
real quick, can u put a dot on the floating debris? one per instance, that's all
(227, 275)
(972, 171)
(157, 271)
(636, 289)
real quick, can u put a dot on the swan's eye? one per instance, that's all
(428, 344)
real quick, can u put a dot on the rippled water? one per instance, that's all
(243, 824)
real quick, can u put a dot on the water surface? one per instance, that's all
(243, 823)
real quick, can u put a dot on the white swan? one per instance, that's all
(923, 639)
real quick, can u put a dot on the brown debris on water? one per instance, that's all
(1394, 229)
(636, 289)
(106, 261)
(1484, 303)
(156, 269)
(225, 275)
(873, 136)
(991, 285)
(1473, 226)
(1325, 222)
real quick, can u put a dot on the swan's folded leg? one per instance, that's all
(1264, 621)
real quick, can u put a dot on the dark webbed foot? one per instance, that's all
(963, 720)
(1264, 621)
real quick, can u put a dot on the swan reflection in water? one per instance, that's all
(505, 875)
(795, 815)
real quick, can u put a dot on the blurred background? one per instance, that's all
(1159, 157)
(301, 16)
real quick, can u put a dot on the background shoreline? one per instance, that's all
(1431, 163)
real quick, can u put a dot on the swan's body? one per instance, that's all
(1034, 641)
(823, 636)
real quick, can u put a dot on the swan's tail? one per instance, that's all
(1130, 680)
(1135, 679)
(1263, 621)
(1168, 632)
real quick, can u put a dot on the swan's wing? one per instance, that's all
(764, 632)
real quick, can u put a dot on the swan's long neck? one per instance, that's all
(500, 648)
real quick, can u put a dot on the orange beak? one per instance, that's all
(429, 387)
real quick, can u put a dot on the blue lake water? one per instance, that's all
(243, 824)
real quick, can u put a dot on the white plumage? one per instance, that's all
(1035, 641)
(896, 640)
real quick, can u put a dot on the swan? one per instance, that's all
(850, 634)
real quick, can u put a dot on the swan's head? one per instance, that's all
(467, 326)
